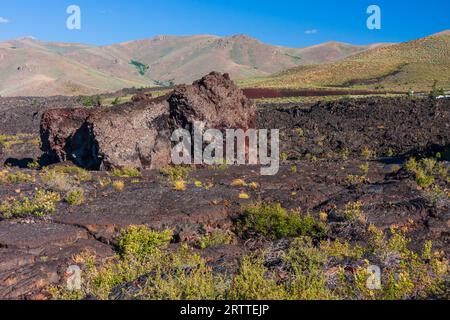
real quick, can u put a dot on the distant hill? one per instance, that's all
(30, 67)
(411, 65)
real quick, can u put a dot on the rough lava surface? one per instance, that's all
(36, 251)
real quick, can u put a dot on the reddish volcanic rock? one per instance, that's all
(138, 134)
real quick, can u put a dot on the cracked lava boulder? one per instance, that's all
(137, 134)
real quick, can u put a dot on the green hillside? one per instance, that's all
(413, 65)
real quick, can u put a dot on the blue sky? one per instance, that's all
(294, 23)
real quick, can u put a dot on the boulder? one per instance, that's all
(137, 135)
(214, 100)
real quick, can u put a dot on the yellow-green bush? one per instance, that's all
(253, 282)
(43, 202)
(356, 179)
(56, 180)
(307, 280)
(274, 221)
(9, 140)
(170, 274)
(15, 177)
(140, 241)
(353, 212)
(176, 173)
(426, 171)
(413, 276)
(183, 275)
(75, 197)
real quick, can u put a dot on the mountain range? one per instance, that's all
(30, 67)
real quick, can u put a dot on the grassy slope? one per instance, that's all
(72, 69)
(411, 65)
(33, 68)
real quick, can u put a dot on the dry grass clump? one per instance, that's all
(238, 183)
(118, 185)
(179, 185)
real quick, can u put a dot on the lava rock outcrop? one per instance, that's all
(138, 134)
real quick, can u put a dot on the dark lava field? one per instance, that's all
(362, 181)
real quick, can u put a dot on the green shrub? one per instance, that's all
(89, 102)
(365, 168)
(414, 276)
(75, 197)
(174, 275)
(183, 275)
(299, 132)
(309, 271)
(273, 221)
(342, 250)
(116, 101)
(33, 165)
(140, 241)
(79, 174)
(424, 180)
(104, 182)
(141, 67)
(354, 180)
(345, 154)
(219, 164)
(308, 280)
(426, 171)
(390, 153)
(253, 282)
